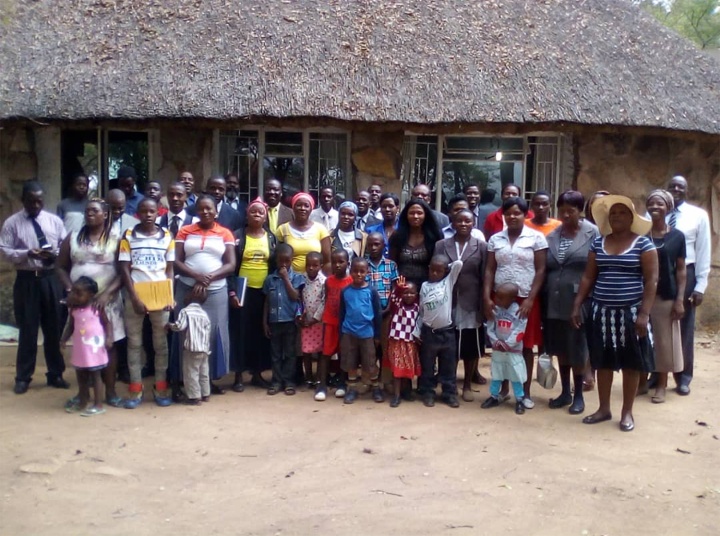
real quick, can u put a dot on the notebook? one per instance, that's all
(156, 295)
(241, 289)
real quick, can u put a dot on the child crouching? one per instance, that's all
(195, 322)
(505, 333)
(360, 319)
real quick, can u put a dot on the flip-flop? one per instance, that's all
(115, 401)
(592, 419)
(92, 410)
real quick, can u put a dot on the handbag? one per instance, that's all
(547, 374)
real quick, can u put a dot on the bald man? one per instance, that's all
(121, 220)
(422, 191)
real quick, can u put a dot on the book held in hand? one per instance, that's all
(241, 289)
(156, 295)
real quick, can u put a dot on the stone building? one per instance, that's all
(590, 94)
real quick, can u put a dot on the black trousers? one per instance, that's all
(36, 301)
(283, 353)
(687, 332)
(438, 345)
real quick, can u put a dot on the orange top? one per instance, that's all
(546, 229)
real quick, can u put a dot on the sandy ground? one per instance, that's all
(252, 464)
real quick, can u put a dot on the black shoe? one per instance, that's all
(215, 389)
(490, 402)
(238, 387)
(378, 395)
(683, 390)
(351, 396)
(560, 402)
(57, 382)
(395, 401)
(578, 406)
(408, 395)
(451, 400)
(428, 401)
(519, 407)
(258, 381)
(21, 387)
(177, 394)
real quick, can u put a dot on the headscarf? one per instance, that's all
(348, 204)
(258, 201)
(303, 195)
(665, 196)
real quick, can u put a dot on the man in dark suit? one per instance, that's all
(422, 191)
(227, 217)
(177, 216)
(277, 212)
(365, 217)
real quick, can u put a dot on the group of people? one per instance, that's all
(359, 298)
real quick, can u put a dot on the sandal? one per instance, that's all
(92, 410)
(289, 391)
(115, 401)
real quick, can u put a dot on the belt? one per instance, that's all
(35, 274)
(439, 330)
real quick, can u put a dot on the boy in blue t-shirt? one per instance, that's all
(282, 294)
(360, 320)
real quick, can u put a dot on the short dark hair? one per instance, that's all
(456, 199)
(572, 198)
(31, 187)
(444, 259)
(470, 185)
(487, 196)
(508, 185)
(314, 255)
(202, 197)
(283, 248)
(465, 211)
(539, 193)
(125, 172)
(341, 252)
(390, 195)
(513, 201)
(87, 283)
(145, 200)
(358, 260)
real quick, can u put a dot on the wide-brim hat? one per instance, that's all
(601, 211)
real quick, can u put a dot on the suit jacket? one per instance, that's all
(441, 220)
(285, 214)
(165, 224)
(562, 279)
(467, 292)
(371, 220)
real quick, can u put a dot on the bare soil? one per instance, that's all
(253, 464)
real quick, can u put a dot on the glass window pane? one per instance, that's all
(289, 171)
(328, 163)
(283, 143)
(419, 163)
(484, 173)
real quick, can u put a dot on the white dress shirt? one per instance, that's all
(695, 225)
(328, 219)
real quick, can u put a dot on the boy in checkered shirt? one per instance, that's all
(402, 348)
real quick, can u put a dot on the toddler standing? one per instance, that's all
(436, 332)
(331, 322)
(282, 294)
(402, 351)
(195, 322)
(310, 315)
(505, 333)
(88, 327)
(360, 319)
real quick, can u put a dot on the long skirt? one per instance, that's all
(666, 337)
(216, 307)
(404, 358)
(613, 342)
(250, 347)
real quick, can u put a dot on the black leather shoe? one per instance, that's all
(21, 387)
(378, 395)
(57, 382)
(683, 390)
(451, 400)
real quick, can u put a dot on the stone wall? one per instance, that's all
(376, 159)
(633, 165)
(182, 149)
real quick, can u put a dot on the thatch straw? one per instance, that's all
(437, 61)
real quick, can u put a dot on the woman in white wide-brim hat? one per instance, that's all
(622, 272)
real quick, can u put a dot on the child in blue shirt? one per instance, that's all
(282, 294)
(360, 319)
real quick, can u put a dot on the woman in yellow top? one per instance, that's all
(541, 222)
(304, 235)
(254, 246)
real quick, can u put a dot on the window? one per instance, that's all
(301, 160)
(531, 162)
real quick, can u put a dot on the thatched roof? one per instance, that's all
(441, 61)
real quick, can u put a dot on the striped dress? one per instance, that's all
(617, 296)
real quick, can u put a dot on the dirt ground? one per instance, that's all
(253, 464)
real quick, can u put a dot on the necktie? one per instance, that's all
(273, 219)
(672, 221)
(174, 225)
(42, 240)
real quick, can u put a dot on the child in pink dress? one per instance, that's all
(88, 328)
(309, 318)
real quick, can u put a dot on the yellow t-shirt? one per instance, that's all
(546, 229)
(302, 242)
(254, 263)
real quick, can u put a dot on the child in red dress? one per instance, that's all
(402, 348)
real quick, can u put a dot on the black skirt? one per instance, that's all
(250, 348)
(565, 342)
(613, 342)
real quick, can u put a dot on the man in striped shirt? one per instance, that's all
(196, 349)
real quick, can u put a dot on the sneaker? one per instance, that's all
(490, 402)
(378, 395)
(133, 401)
(528, 403)
(341, 390)
(451, 400)
(350, 397)
(320, 393)
(520, 407)
(162, 398)
(395, 401)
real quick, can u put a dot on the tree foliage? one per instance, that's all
(698, 20)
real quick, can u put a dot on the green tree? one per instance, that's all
(698, 20)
